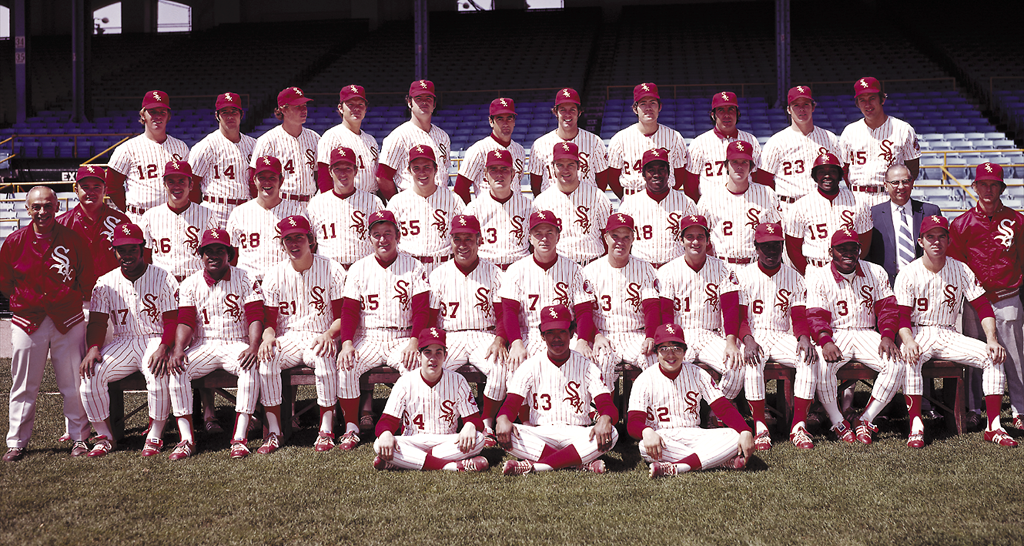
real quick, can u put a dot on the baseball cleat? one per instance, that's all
(1000, 437)
(801, 439)
(915, 440)
(80, 448)
(14, 454)
(65, 438)
(739, 462)
(473, 464)
(239, 450)
(490, 440)
(517, 468)
(865, 430)
(349, 441)
(596, 466)
(366, 422)
(272, 444)
(101, 447)
(844, 432)
(181, 451)
(324, 442)
(763, 441)
(152, 447)
(1018, 422)
(381, 464)
(661, 470)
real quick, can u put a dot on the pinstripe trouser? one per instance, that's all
(470, 346)
(528, 442)
(206, 357)
(780, 347)
(411, 451)
(861, 344)
(627, 347)
(374, 346)
(708, 347)
(713, 447)
(948, 344)
(122, 357)
(293, 349)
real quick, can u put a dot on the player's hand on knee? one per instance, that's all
(831, 352)
(467, 438)
(752, 351)
(647, 347)
(746, 443)
(248, 358)
(733, 356)
(386, 445)
(266, 351)
(410, 355)
(805, 350)
(89, 362)
(603, 345)
(997, 352)
(887, 349)
(347, 356)
(177, 362)
(497, 350)
(323, 345)
(503, 429)
(583, 348)
(911, 351)
(602, 431)
(653, 443)
(159, 362)
(516, 354)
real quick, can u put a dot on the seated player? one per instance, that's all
(172, 229)
(664, 414)
(302, 304)
(426, 406)
(220, 325)
(930, 292)
(339, 217)
(503, 211)
(140, 301)
(560, 386)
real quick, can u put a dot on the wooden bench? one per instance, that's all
(954, 387)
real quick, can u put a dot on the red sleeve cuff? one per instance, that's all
(798, 317)
(349, 319)
(585, 328)
(270, 317)
(510, 315)
(170, 327)
(476, 419)
(605, 406)
(511, 406)
(668, 311)
(636, 422)
(499, 320)
(388, 423)
(420, 311)
(652, 315)
(731, 313)
(253, 312)
(187, 316)
(983, 308)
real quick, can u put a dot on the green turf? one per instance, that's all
(959, 490)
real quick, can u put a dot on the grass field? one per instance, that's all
(958, 490)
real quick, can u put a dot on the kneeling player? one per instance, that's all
(427, 405)
(664, 414)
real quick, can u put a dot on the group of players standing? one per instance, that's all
(689, 269)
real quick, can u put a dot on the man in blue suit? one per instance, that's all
(900, 208)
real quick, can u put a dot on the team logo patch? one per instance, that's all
(317, 299)
(62, 263)
(232, 308)
(572, 391)
(149, 307)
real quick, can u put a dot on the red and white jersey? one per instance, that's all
(466, 302)
(503, 226)
(303, 298)
(474, 163)
(790, 155)
(395, 152)
(935, 299)
(536, 288)
(253, 231)
(558, 395)
(593, 157)
(425, 222)
(297, 156)
(220, 307)
(707, 157)
(142, 162)
(657, 224)
(364, 146)
(224, 165)
(98, 234)
(769, 299)
(673, 403)
(850, 300)
(173, 238)
(732, 218)
(430, 409)
(339, 224)
(626, 152)
(814, 218)
(385, 294)
(136, 309)
(620, 292)
(584, 213)
(870, 152)
(696, 295)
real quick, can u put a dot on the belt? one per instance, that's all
(224, 200)
(134, 210)
(431, 259)
(816, 262)
(488, 329)
(787, 199)
(868, 189)
(294, 197)
(740, 261)
(180, 278)
(396, 328)
(629, 191)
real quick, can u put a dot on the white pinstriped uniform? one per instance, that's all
(364, 146)
(584, 213)
(224, 166)
(174, 238)
(142, 161)
(430, 419)
(770, 302)
(297, 156)
(466, 304)
(253, 231)
(303, 300)
(474, 163)
(673, 411)
(935, 300)
(395, 152)
(561, 406)
(220, 335)
(814, 219)
(339, 224)
(696, 297)
(707, 157)
(593, 157)
(871, 152)
(789, 155)
(657, 224)
(425, 222)
(852, 305)
(626, 152)
(503, 226)
(385, 299)
(732, 218)
(136, 313)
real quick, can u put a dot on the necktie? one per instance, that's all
(904, 241)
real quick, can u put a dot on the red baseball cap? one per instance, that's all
(826, 158)
(499, 157)
(739, 150)
(291, 96)
(293, 224)
(767, 232)
(657, 154)
(844, 235)
(545, 217)
(799, 92)
(566, 150)
(866, 85)
(214, 237)
(644, 91)
(464, 223)
(381, 216)
(432, 336)
(619, 220)
(351, 92)
(267, 163)
(422, 87)
(555, 317)
(502, 106)
(667, 333)
(91, 171)
(156, 99)
(127, 233)
(725, 98)
(567, 95)
(228, 100)
(421, 151)
(936, 221)
(693, 220)
(178, 167)
(343, 154)
(989, 171)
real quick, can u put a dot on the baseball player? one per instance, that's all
(134, 183)
(664, 414)
(302, 303)
(352, 106)
(386, 299)
(814, 216)
(930, 292)
(338, 215)
(583, 207)
(253, 225)
(418, 131)
(293, 144)
(708, 154)
(426, 407)
(735, 208)
(560, 386)
(140, 301)
(593, 156)
(93, 219)
(845, 303)
(873, 144)
(657, 212)
(172, 229)
(502, 117)
(772, 302)
(423, 212)
(629, 146)
(221, 160)
(502, 211)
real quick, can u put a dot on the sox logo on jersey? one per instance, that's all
(142, 162)
(294, 153)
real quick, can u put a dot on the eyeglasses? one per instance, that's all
(670, 349)
(905, 182)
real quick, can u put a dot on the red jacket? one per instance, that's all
(97, 234)
(992, 247)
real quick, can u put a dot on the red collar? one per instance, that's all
(545, 266)
(769, 272)
(503, 144)
(658, 197)
(559, 362)
(210, 280)
(670, 375)
(432, 384)
(723, 136)
(831, 198)
(839, 276)
(468, 270)
(385, 265)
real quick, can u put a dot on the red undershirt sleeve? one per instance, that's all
(420, 311)
(983, 308)
(170, 327)
(798, 317)
(510, 316)
(652, 315)
(668, 311)
(270, 317)
(762, 176)
(349, 319)
(536, 181)
(905, 313)
(610, 179)
(511, 406)
(96, 331)
(731, 313)
(744, 330)
(636, 422)
(476, 419)
(385, 172)
(605, 406)
(388, 423)
(728, 414)
(499, 320)
(462, 186)
(323, 177)
(187, 316)
(820, 322)
(794, 247)
(253, 312)
(680, 175)
(691, 186)
(888, 314)
(585, 328)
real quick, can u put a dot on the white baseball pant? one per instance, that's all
(293, 349)
(411, 451)
(627, 347)
(714, 447)
(948, 344)
(470, 346)
(206, 357)
(780, 347)
(860, 344)
(123, 357)
(708, 347)
(528, 442)
(373, 347)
